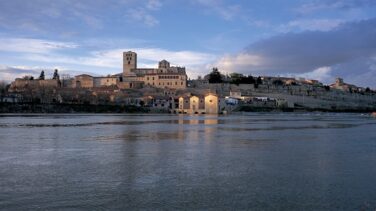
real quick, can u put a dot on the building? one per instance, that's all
(165, 76)
(105, 81)
(83, 81)
(88, 81)
(200, 104)
(26, 84)
(341, 85)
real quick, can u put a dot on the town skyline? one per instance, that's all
(313, 39)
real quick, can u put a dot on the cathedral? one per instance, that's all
(165, 76)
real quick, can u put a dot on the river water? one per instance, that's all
(266, 161)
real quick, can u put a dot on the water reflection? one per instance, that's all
(195, 120)
(255, 161)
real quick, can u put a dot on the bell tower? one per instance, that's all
(129, 63)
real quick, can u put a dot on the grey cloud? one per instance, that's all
(16, 71)
(360, 71)
(8, 73)
(297, 52)
(349, 50)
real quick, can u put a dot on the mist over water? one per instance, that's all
(299, 161)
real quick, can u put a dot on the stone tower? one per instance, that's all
(164, 64)
(129, 63)
(339, 81)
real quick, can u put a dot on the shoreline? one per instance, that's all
(39, 108)
(68, 108)
(303, 109)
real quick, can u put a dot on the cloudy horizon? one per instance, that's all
(316, 39)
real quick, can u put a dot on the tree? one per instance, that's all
(259, 80)
(41, 77)
(236, 78)
(28, 77)
(250, 79)
(56, 75)
(215, 76)
(3, 90)
(278, 82)
(368, 89)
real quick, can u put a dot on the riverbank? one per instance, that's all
(102, 108)
(69, 108)
(247, 108)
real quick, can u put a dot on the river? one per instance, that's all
(262, 161)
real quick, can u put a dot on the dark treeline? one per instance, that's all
(68, 108)
(234, 78)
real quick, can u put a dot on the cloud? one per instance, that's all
(311, 25)
(42, 15)
(142, 15)
(225, 11)
(322, 74)
(70, 15)
(8, 73)
(104, 61)
(259, 23)
(306, 52)
(33, 45)
(319, 5)
(242, 60)
(113, 58)
(153, 5)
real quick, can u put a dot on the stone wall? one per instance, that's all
(20, 85)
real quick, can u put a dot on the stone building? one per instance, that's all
(105, 81)
(20, 84)
(88, 81)
(165, 76)
(83, 81)
(201, 104)
(341, 85)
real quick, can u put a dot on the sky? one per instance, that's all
(313, 39)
